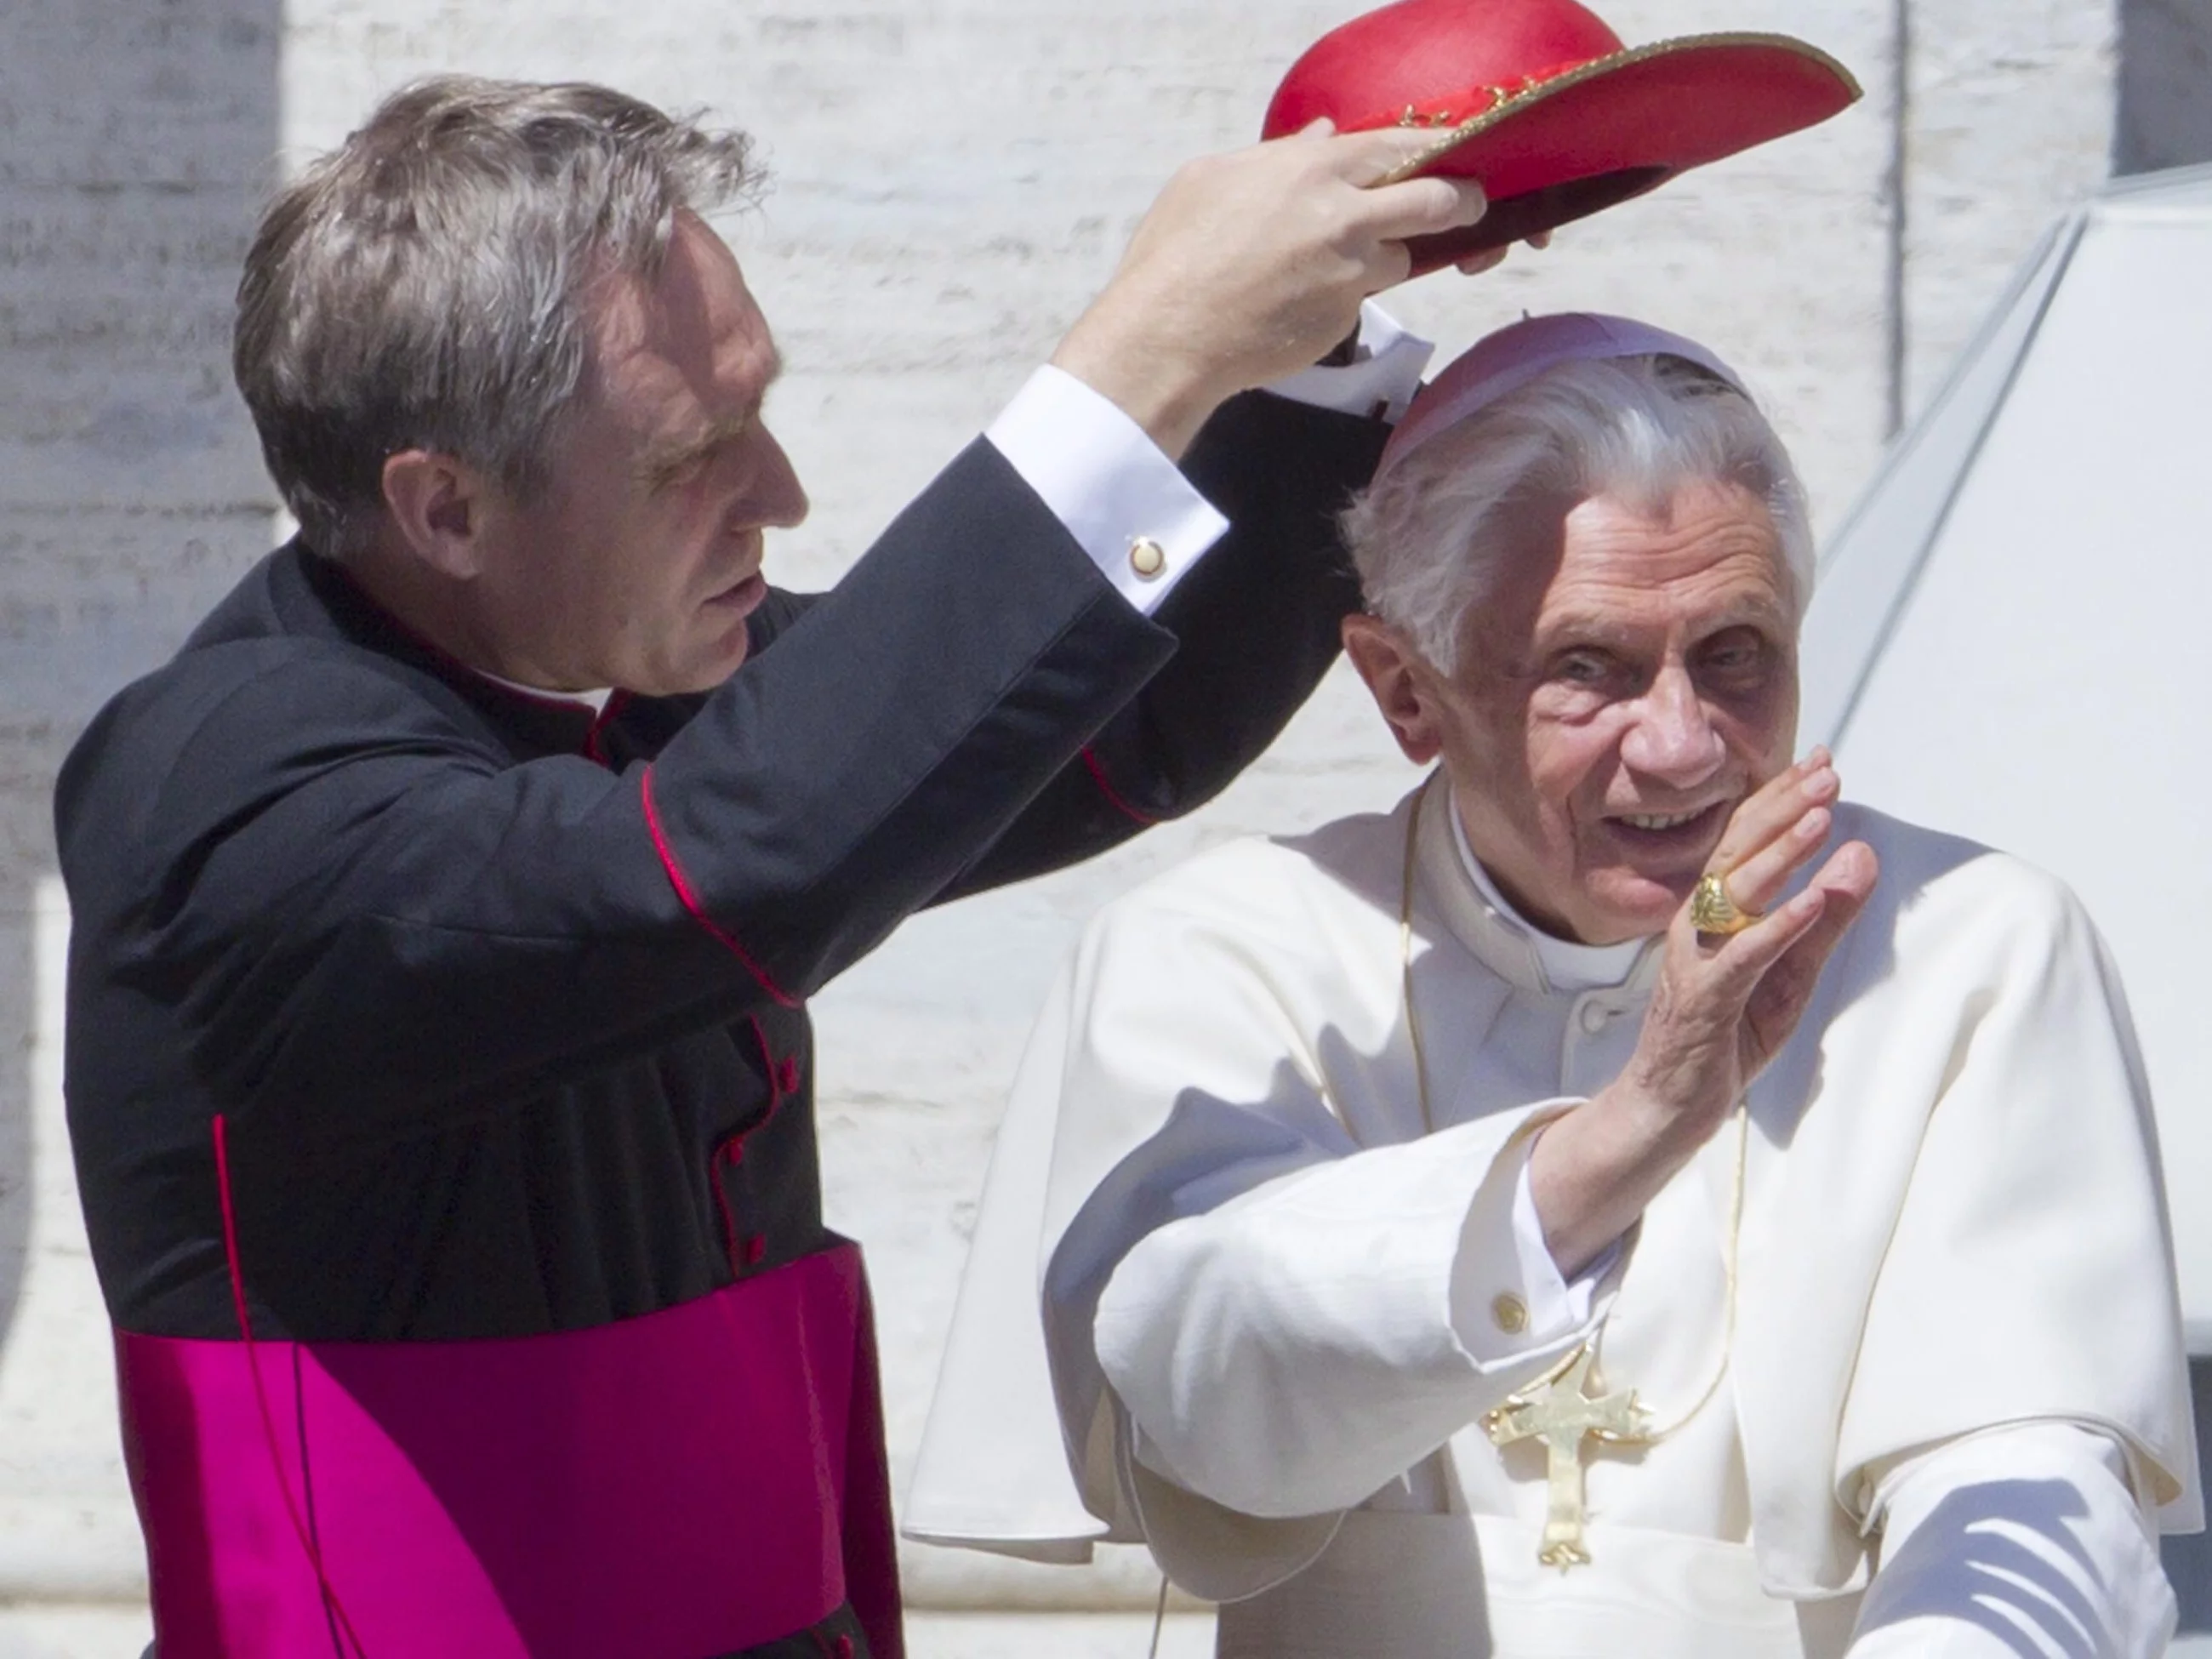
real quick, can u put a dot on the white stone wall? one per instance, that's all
(952, 179)
(133, 139)
(2016, 90)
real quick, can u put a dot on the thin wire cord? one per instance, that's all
(1653, 1437)
(1405, 954)
(335, 1614)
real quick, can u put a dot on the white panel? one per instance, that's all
(2045, 689)
(1868, 571)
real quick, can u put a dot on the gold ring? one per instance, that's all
(1712, 909)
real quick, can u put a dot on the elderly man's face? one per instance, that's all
(1615, 702)
(642, 561)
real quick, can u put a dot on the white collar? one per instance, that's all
(595, 700)
(1568, 964)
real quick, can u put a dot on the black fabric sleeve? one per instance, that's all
(363, 911)
(1256, 625)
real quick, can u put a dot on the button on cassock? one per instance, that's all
(1511, 1312)
(1148, 559)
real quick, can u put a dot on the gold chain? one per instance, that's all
(1406, 956)
(1642, 1437)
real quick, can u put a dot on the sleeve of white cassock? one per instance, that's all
(2029, 1275)
(2021, 1539)
(1271, 1320)
(1297, 1349)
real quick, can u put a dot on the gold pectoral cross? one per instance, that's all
(1559, 1410)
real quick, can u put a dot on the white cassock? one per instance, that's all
(1275, 1310)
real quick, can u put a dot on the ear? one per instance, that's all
(440, 505)
(1402, 683)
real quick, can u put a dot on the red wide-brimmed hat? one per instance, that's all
(1539, 101)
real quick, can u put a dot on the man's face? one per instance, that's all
(639, 565)
(1616, 701)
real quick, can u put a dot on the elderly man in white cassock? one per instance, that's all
(1627, 1200)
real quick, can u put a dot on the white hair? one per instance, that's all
(1427, 536)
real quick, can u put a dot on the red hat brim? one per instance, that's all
(1567, 147)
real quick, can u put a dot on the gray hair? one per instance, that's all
(1428, 536)
(426, 284)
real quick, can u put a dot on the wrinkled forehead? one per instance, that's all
(686, 336)
(1634, 573)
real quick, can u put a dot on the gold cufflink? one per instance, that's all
(1148, 559)
(1511, 1312)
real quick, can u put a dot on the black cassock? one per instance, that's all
(406, 1012)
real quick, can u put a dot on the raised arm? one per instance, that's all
(1254, 625)
(360, 905)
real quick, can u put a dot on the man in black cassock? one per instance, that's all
(438, 1066)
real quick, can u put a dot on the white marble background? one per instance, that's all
(952, 179)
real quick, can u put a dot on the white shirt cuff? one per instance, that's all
(1381, 379)
(1509, 1297)
(1555, 1303)
(1125, 503)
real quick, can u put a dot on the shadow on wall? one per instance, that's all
(2189, 1560)
(136, 144)
(2165, 115)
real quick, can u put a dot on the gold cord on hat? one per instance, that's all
(1558, 1407)
(1533, 90)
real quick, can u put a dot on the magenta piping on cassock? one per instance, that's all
(687, 1483)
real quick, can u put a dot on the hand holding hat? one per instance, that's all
(1428, 133)
(1252, 264)
(1542, 104)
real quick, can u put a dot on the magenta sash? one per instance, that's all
(679, 1486)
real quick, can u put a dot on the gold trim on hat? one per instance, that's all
(1512, 101)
